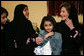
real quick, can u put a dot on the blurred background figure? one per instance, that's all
(4, 14)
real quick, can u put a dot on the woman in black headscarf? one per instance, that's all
(20, 33)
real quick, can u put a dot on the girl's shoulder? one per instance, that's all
(42, 31)
(57, 34)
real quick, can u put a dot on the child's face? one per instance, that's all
(64, 13)
(3, 18)
(48, 26)
(26, 12)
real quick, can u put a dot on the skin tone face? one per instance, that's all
(48, 26)
(26, 12)
(64, 13)
(3, 18)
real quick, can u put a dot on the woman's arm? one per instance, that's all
(75, 34)
(31, 30)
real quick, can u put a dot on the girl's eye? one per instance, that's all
(50, 25)
(45, 25)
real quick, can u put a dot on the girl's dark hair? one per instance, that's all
(3, 10)
(48, 18)
(73, 15)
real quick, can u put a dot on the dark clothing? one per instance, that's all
(71, 44)
(17, 33)
(2, 43)
(20, 35)
(2, 40)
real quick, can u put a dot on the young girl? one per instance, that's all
(52, 41)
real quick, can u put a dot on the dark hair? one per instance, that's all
(73, 15)
(18, 13)
(48, 18)
(3, 10)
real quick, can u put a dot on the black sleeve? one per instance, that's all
(32, 34)
(9, 37)
(75, 34)
(31, 30)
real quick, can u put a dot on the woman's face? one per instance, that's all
(26, 12)
(48, 26)
(3, 18)
(64, 13)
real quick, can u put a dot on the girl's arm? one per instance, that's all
(41, 38)
(58, 45)
(49, 34)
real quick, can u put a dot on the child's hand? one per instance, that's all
(49, 34)
(39, 40)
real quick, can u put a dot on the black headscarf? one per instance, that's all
(20, 29)
(3, 10)
(18, 13)
(20, 25)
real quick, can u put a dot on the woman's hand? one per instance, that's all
(39, 40)
(69, 23)
(49, 34)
